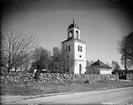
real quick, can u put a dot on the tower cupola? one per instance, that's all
(73, 31)
(73, 25)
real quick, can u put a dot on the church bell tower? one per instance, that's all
(75, 49)
(73, 31)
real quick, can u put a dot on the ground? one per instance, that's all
(41, 88)
(116, 96)
(16, 92)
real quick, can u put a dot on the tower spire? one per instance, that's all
(73, 21)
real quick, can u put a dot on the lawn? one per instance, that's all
(41, 88)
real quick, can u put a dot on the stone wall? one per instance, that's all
(96, 77)
(23, 77)
(17, 78)
(130, 76)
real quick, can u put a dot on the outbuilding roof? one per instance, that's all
(100, 64)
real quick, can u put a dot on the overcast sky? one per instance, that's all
(102, 23)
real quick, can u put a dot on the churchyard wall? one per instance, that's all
(24, 77)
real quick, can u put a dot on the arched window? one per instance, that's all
(77, 34)
(80, 68)
(69, 48)
(70, 34)
(80, 48)
(66, 48)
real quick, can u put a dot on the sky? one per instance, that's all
(102, 23)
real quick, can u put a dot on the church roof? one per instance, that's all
(73, 39)
(73, 25)
(100, 64)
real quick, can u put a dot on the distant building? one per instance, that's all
(98, 67)
(123, 74)
(75, 48)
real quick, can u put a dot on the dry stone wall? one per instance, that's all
(130, 76)
(24, 77)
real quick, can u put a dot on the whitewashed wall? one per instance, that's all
(105, 71)
(76, 54)
(76, 67)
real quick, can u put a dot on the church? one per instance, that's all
(75, 48)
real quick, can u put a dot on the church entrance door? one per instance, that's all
(80, 68)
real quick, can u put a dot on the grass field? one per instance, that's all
(41, 88)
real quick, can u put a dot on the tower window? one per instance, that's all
(69, 48)
(80, 68)
(80, 48)
(70, 35)
(77, 34)
(66, 48)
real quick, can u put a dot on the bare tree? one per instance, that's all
(91, 62)
(87, 63)
(41, 58)
(62, 62)
(107, 64)
(56, 60)
(115, 65)
(15, 48)
(67, 64)
(126, 50)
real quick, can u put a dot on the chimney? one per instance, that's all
(98, 62)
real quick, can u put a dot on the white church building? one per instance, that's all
(75, 48)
